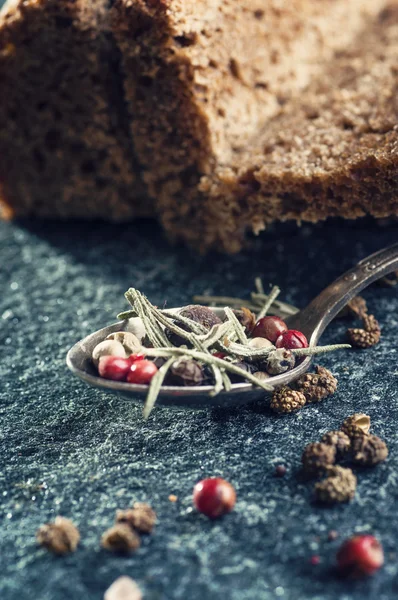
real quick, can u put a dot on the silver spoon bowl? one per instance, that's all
(312, 321)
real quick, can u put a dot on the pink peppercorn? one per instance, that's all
(291, 340)
(114, 367)
(360, 555)
(141, 372)
(214, 497)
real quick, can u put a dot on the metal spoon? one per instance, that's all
(312, 321)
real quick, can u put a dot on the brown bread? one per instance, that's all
(233, 113)
(65, 145)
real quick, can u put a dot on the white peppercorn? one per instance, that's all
(129, 341)
(107, 348)
(135, 325)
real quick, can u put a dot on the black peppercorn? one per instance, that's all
(186, 372)
(199, 314)
(249, 368)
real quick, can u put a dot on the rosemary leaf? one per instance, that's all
(197, 328)
(221, 301)
(270, 299)
(127, 314)
(154, 387)
(226, 380)
(219, 384)
(240, 332)
(216, 333)
(145, 310)
(259, 285)
(208, 359)
(312, 350)
(279, 307)
(247, 352)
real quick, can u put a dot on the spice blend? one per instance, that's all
(195, 347)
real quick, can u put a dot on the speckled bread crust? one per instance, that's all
(65, 145)
(203, 79)
(333, 151)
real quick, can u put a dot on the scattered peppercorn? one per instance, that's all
(279, 361)
(360, 555)
(280, 471)
(339, 440)
(317, 386)
(356, 424)
(368, 450)
(286, 400)
(316, 457)
(333, 535)
(339, 486)
(368, 336)
(141, 517)
(173, 498)
(186, 372)
(123, 588)
(60, 537)
(214, 497)
(120, 538)
(315, 560)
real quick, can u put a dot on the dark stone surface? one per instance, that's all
(68, 449)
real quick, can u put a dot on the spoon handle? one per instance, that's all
(313, 319)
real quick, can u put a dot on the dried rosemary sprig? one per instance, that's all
(207, 359)
(268, 302)
(156, 318)
(240, 332)
(154, 387)
(229, 337)
(256, 302)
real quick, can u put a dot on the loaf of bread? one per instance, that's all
(65, 145)
(239, 110)
(228, 114)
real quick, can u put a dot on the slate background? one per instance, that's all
(68, 449)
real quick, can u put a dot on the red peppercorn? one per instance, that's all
(291, 339)
(315, 560)
(360, 555)
(219, 354)
(114, 367)
(134, 357)
(269, 328)
(214, 497)
(141, 372)
(280, 471)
